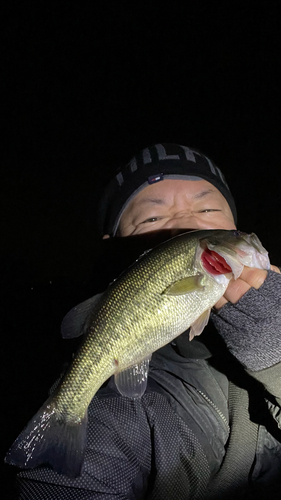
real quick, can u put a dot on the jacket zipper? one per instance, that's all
(221, 415)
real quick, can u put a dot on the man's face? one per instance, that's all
(176, 204)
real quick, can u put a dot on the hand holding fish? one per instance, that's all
(250, 277)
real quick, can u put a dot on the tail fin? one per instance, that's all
(51, 438)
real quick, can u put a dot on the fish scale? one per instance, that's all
(164, 293)
(130, 340)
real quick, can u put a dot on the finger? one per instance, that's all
(233, 293)
(221, 303)
(236, 289)
(253, 276)
(250, 277)
(275, 269)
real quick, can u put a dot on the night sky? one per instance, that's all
(87, 85)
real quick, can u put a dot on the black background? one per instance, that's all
(87, 85)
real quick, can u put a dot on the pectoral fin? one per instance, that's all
(198, 326)
(75, 323)
(186, 285)
(132, 382)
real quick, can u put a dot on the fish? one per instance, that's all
(169, 289)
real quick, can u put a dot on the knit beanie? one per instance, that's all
(151, 165)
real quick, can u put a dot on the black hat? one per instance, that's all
(154, 164)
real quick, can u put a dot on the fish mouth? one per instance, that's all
(214, 263)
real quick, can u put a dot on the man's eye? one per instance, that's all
(210, 210)
(151, 219)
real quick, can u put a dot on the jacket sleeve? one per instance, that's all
(251, 329)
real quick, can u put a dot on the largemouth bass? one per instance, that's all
(166, 291)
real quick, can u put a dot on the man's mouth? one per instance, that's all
(214, 263)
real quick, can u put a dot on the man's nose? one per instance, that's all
(183, 221)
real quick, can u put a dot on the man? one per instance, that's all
(208, 423)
